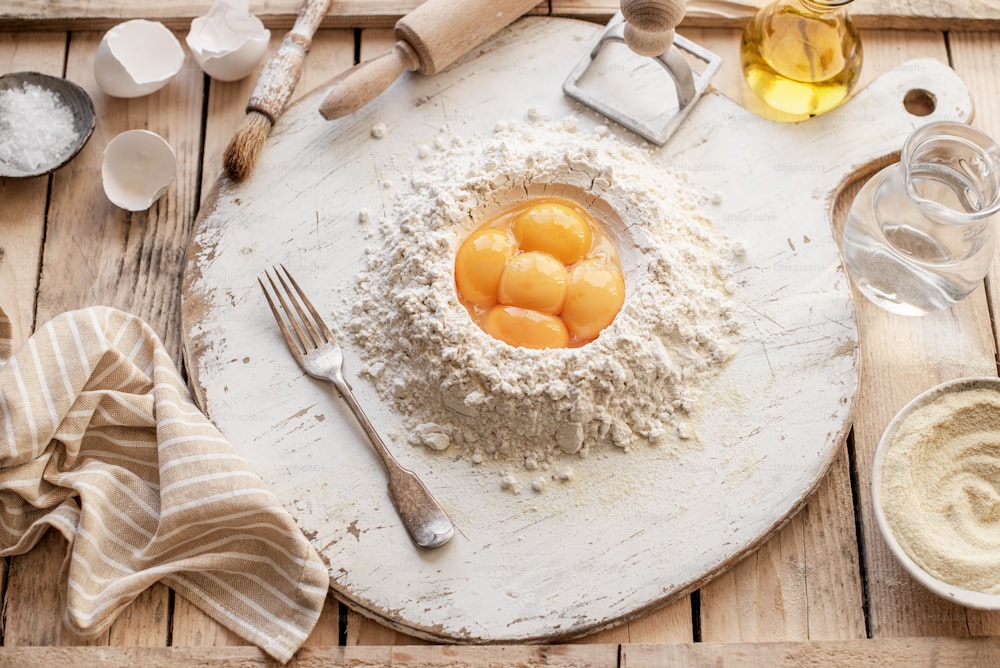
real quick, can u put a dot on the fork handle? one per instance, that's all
(426, 521)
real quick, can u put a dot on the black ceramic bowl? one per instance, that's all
(73, 97)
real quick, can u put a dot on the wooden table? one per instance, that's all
(824, 589)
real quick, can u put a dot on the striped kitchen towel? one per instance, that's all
(99, 438)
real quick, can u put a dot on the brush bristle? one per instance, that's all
(242, 153)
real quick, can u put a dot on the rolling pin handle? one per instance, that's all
(364, 82)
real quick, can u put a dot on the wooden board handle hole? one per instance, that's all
(919, 102)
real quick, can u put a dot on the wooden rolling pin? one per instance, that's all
(430, 38)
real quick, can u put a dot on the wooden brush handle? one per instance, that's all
(431, 37)
(649, 24)
(281, 72)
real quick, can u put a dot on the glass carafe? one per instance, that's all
(920, 234)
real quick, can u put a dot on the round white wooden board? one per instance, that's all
(631, 531)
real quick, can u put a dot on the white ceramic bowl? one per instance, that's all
(950, 592)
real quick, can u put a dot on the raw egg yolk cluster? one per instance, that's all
(541, 275)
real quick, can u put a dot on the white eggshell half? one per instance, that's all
(228, 42)
(139, 166)
(137, 58)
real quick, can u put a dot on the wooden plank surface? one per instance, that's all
(178, 14)
(279, 14)
(901, 358)
(938, 652)
(885, 653)
(903, 14)
(904, 357)
(22, 216)
(103, 255)
(977, 58)
(22, 231)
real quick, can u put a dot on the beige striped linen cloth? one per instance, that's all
(100, 439)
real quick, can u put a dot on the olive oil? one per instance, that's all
(802, 57)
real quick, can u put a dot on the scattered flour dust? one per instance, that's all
(462, 391)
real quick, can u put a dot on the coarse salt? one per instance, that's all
(36, 127)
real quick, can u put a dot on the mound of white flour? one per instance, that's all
(463, 391)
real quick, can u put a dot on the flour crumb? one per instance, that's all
(433, 435)
(379, 130)
(509, 483)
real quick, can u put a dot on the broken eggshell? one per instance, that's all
(137, 58)
(228, 42)
(139, 166)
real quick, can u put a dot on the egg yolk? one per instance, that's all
(595, 294)
(535, 281)
(526, 328)
(553, 228)
(479, 263)
(540, 275)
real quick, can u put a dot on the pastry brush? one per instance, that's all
(273, 89)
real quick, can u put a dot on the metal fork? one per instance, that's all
(315, 348)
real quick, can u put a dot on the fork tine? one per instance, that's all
(327, 334)
(304, 326)
(293, 317)
(293, 344)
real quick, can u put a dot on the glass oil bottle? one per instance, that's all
(802, 57)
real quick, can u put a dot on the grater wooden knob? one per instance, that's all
(647, 28)
(649, 24)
